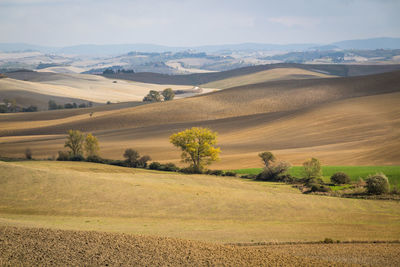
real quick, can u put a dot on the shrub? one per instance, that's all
(320, 188)
(248, 176)
(329, 241)
(233, 174)
(155, 165)
(395, 190)
(28, 153)
(190, 170)
(95, 159)
(118, 163)
(142, 161)
(77, 158)
(170, 167)
(287, 178)
(340, 178)
(377, 184)
(273, 172)
(216, 172)
(63, 156)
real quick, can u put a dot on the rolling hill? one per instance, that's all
(89, 196)
(79, 86)
(80, 213)
(204, 78)
(352, 120)
(265, 76)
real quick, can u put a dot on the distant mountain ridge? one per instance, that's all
(114, 49)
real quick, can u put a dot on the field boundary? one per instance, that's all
(312, 242)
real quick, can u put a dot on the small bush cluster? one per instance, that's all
(168, 167)
(328, 241)
(320, 188)
(249, 176)
(220, 173)
(274, 172)
(340, 178)
(377, 184)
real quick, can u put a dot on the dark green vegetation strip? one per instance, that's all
(355, 172)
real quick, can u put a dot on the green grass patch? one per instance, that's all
(355, 172)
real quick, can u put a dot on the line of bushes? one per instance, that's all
(311, 180)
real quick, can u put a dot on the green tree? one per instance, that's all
(312, 169)
(267, 157)
(168, 94)
(74, 142)
(131, 156)
(52, 104)
(152, 96)
(91, 145)
(197, 145)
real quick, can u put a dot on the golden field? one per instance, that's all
(342, 121)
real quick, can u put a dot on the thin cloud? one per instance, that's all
(294, 21)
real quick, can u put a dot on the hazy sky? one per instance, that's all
(200, 22)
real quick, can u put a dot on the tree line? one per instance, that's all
(10, 106)
(52, 105)
(156, 96)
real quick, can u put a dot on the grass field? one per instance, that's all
(355, 172)
(88, 196)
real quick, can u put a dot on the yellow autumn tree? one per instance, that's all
(91, 145)
(198, 146)
(74, 142)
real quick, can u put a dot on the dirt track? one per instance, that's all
(25, 246)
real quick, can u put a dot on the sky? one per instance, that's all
(194, 23)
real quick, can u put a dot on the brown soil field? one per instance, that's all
(203, 78)
(265, 76)
(45, 247)
(342, 121)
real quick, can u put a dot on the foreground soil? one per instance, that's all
(29, 246)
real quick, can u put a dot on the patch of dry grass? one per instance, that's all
(87, 196)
